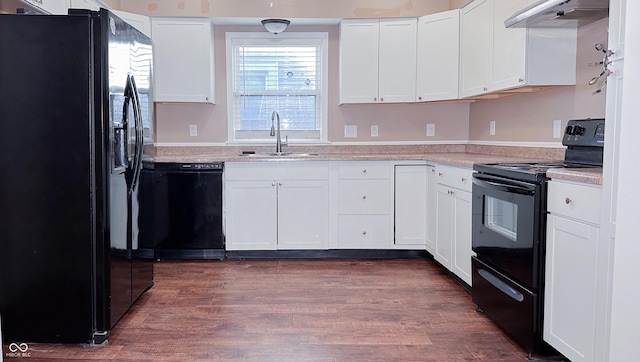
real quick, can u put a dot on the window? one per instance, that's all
(286, 73)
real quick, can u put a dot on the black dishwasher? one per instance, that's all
(181, 210)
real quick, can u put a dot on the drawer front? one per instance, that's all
(581, 202)
(364, 197)
(276, 170)
(456, 177)
(364, 232)
(364, 170)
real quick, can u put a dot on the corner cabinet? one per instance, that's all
(183, 60)
(494, 58)
(453, 220)
(572, 270)
(276, 207)
(438, 51)
(378, 60)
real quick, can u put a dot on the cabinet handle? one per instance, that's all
(568, 201)
(364, 197)
(364, 233)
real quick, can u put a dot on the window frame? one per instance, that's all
(265, 38)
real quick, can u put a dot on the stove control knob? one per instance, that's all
(579, 131)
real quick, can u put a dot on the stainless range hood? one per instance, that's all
(559, 14)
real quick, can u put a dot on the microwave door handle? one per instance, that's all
(504, 184)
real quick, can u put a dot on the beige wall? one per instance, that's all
(396, 122)
(285, 8)
(529, 117)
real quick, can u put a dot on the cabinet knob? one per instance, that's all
(273, 184)
(464, 179)
(520, 80)
(364, 170)
(568, 201)
(206, 98)
(375, 99)
(381, 99)
(364, 197)
(433, 170)
(485, 89)
(364, 233)
(279, 183)
(440, 174)
(419, 98)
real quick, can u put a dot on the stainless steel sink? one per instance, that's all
(279, 154)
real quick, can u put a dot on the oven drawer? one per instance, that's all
(577, 201)
(507, 303)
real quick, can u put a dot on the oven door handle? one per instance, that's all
(503, 184)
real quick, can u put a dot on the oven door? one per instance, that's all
(506, 226)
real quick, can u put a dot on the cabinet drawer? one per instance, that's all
(364, 232)
(581, 202)
(456, 177)
(247, 171)
(364, 170)
(364, 197)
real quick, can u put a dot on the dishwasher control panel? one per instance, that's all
(202, 166)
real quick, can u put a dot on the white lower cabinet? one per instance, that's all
(275, 207)
(364, 199)
(453, 220)
(432, 211)
(571, 269)
(410, 206)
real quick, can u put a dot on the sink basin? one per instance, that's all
(279, 154)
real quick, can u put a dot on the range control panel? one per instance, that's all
(584, 132)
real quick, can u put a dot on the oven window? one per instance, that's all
(502, 217)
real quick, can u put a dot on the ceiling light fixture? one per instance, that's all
(275, 26)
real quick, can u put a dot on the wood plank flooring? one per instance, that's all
(298, 310)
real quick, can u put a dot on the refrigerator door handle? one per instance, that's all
(137, 115)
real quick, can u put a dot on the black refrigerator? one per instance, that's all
(75, 125)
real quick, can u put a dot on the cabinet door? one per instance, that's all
(53, 7)
(438, 52)
(397, 60)
(432, 211)
(570, 288)
(183, 59)
(410, 206)
(359, 61)
(475, 47)
(509, 47)
(251, 215)
(303, 215)
(444, 226)
(461, 262)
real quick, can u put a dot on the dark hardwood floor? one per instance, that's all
(298, 310)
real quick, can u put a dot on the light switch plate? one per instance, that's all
(492, 128)
(374, 131)
(350, 131)
(431, 130)
(193, 130)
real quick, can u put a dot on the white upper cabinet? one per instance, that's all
(53, 7)
(438, 51)
(183, 59)
(377, 60)
(85, 4)
(495, 58)
(140, 22)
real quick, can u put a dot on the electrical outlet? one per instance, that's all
(431, 130)
(193, 130)
(492, 128)
(350, 131)
(557, 128)
(374, 131)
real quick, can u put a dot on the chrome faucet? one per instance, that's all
(276, 133)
